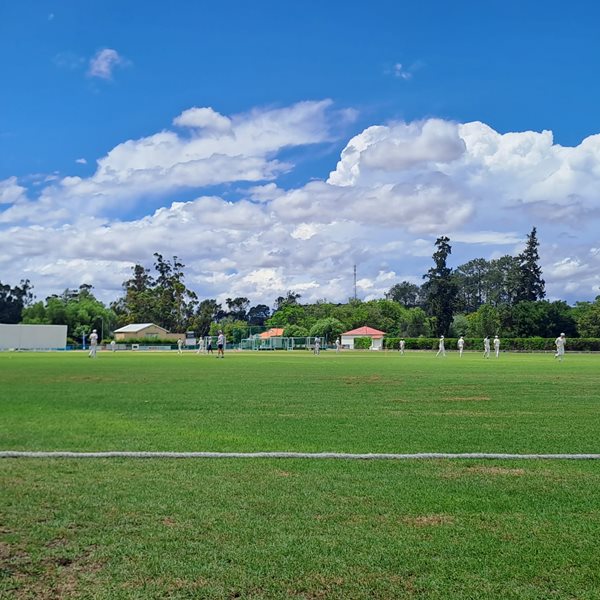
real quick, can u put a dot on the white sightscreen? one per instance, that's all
(32, 337)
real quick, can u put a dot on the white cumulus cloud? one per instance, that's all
(203, 118)
(166, 162)
(396, 187)
(11, 192)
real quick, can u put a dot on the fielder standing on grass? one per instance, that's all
(560, 342)
(486, 347)
(317, 345)
(461, 346)
(402, 346)
(442, 348)
(221, 345)
(497, 346)
(93, 344)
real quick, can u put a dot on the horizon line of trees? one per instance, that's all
(503, 296)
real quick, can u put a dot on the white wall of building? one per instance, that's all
(32, 337)
(376, 343)
(348, 342)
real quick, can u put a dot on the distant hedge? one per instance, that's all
(533, 344)
(148, 342)
(362, 343)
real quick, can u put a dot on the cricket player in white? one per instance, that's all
(560, 342)
(486, 347)
(317, 349)
(497, 346)
(461, 346)
(221, 345)
(442, 348)
(93, 344)
(402, 346)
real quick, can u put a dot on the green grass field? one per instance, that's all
(282, 528)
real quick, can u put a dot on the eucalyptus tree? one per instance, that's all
(78, 309)
(406, 293)
(473, 282)
(13, 300)
(137, 305)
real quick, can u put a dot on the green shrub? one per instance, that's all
(419, 343)
(295, 331)
(583, 344)
(532, 344)
(362, 343)
(148, 342)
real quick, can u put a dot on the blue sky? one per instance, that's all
(91, 146)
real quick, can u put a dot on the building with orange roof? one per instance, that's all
(271, 333)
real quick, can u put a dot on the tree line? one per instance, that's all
(503, 296)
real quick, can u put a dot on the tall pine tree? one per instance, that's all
(531, 286)
(440, 288)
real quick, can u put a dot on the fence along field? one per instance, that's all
(282, 528)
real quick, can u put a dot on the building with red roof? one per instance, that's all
(361, 332)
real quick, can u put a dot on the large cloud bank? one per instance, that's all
(395, 188)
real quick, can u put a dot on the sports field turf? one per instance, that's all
(278, 528)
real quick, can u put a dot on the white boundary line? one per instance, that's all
(305, 455)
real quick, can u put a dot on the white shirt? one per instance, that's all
(93, 339)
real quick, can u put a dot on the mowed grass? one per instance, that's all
(351, 402)
(280, 528)
(299, 529)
